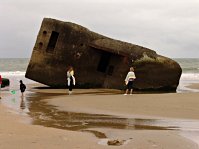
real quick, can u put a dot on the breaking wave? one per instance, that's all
(190, 77)
(12, 73)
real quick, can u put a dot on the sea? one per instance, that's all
(15, 68)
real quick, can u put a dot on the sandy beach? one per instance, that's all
(180, 107)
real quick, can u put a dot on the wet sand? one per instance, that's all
(15, 134)
(194, 86)
(169, 105)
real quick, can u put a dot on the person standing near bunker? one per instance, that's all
(129, 81)
(70, 79)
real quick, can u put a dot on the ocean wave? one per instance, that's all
(184, 76)
(190, 68)
(190, 76)
(13, 73)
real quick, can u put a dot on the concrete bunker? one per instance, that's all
(99, 61)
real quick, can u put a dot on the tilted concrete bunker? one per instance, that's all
(98, 61)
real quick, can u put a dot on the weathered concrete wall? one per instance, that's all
(83, 49)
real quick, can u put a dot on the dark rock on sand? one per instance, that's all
(5, 82)
(115, 142)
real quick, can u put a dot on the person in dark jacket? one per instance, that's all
(22, 87)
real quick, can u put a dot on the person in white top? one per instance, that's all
(70, 79)
(130, 77)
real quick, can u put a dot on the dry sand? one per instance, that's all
(15, 134)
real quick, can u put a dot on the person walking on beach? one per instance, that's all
(22, 87)
(70, 79)
(129, 81)
(0, 85)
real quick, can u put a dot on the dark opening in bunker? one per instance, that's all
(40, 45)
(44, 32)
(104, 61)
(52, 41)
(110, 70)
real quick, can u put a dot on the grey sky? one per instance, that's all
(170, 27)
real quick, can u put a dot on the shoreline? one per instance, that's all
(138, 105)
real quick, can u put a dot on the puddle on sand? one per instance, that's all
(47, 115)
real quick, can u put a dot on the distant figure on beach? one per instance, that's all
(0, 85)
(70, 79)
(22, 87)
(129, 81)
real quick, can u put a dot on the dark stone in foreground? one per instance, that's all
(98, 61)
(5, 82)
(116, 142)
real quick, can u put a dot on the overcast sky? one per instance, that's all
(170, 27)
